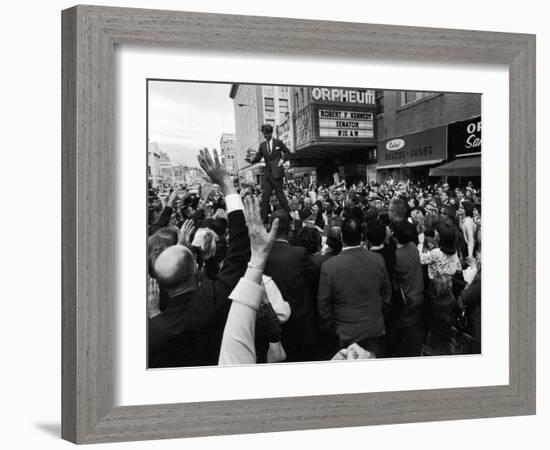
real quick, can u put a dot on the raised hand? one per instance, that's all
(260, 240)
(215, 170)
(186, 231)
(172, 198)
(153, 298)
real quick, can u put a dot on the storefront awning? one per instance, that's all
(410, 164)
(460, 167)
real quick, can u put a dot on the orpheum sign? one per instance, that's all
(359, 96)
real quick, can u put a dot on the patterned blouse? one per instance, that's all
(440, 263)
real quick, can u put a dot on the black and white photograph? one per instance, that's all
(295, 224)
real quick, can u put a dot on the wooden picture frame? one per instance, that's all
(89, 37)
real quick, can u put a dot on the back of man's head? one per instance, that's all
(175, 267)
(334, 239)
(284, 222)
(376, 232)
(351, 232)
(404, 232)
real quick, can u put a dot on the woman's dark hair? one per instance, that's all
(310, 239)
(319, 221)
(431, 222)
(447, 237)
(468, 208)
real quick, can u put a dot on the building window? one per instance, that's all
(283, 109)
(297, 100)
(379, 102)
(283, 91)
(410, 97)
(269, 104)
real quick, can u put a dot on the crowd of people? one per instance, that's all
(342, 271)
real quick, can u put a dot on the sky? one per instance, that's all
(185, 116)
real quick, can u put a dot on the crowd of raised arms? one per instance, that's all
(350, 271)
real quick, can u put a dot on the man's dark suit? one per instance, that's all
(352, 289)
(407, 329)
(296, 277)
(189, 331)
(274, 173)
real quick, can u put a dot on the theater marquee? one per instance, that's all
(345, 124)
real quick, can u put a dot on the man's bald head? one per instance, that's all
(175, 267)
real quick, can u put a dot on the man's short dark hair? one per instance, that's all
(351, 231)
(310, 239)
(398, 208)
(266, 127)
(376, 232)
(404, 232)
(334, 239)
(284, 222)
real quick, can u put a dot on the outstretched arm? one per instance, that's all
(238, 337)
(238, 252)
(257, 157)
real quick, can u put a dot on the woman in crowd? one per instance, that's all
(316, 218)
(442, 260)
(468, 227)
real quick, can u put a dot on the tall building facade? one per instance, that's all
(334, 131)
(165, 167)
(255, 105)
(227, 150)
(154, 176)
(421, 134)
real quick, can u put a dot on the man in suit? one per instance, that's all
(407, 333)
(353, 287)
(297, 278)
(189, 331)
(275, 153)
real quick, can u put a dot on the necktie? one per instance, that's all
(268, 148)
